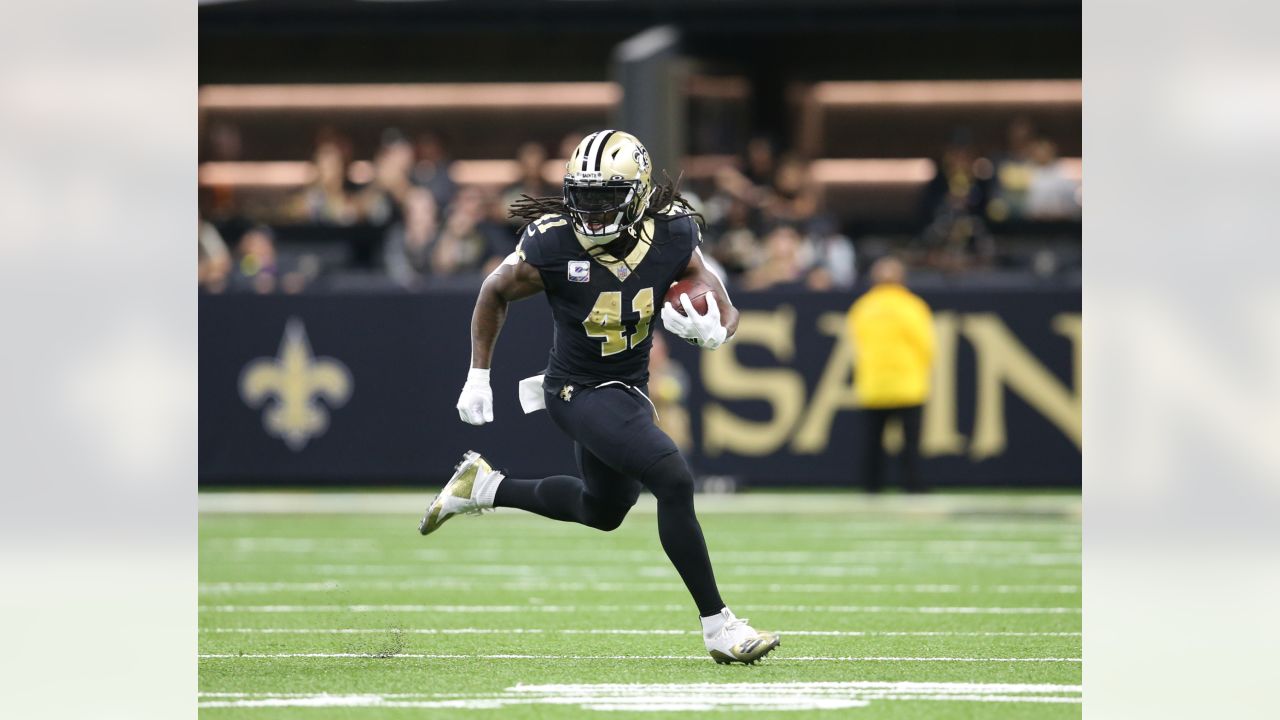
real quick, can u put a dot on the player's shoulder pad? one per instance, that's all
(684, 225)
(542, 240)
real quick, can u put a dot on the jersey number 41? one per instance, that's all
(605, 321)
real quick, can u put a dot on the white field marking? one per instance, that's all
(616, 631)
(727, 688)
(503, 562)
(758, 558)
(211, 588)
(934, 507)
(519, 656)
(863, 549)
(292, 545)
(1053, 563)
(576, 571)
(670, 697)
(844, 609)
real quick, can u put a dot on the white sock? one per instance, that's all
(487, 488)
(712, 624)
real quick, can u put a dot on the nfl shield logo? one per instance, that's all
(579, 271)
(623, 272)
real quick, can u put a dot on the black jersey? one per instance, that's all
(605, 308)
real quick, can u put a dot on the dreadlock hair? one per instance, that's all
(665, 203)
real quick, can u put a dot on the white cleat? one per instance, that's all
(469, 492)
(730, 639)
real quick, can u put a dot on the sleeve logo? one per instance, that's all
(580, 271)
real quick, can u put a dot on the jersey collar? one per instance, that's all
(622, 270)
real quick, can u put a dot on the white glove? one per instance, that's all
(475, 404)
(702, 330)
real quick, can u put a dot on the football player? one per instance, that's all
(604, 254)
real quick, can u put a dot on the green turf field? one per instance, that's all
(330, 605)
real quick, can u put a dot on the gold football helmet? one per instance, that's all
(607, 184)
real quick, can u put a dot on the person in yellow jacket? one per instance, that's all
(891, 333)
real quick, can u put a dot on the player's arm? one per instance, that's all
(718, 324)
(513, 280)
(698, 270)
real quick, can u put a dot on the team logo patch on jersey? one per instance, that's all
(566, 393)
(579, 271)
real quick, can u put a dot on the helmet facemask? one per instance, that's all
(602, 210)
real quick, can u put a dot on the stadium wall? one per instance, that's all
(359, 389)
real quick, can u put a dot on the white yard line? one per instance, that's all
(725, 688)
(608, 631)
(518, 656)
(215, 588)
(502, 609)
(1068, 567)
(670, 697)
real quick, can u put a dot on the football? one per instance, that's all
(695, 289)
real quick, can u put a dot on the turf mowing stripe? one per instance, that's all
(716, 687)
(670, 697)
(457, 656)
(928, 507)
(457, 584)
(602, 631)
(936, 610)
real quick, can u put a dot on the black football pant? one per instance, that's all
(620, 450)
(874, 465)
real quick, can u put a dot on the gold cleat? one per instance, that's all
(734, 640)
(469, 492)
(748, 652)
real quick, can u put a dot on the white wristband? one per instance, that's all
(478, 375)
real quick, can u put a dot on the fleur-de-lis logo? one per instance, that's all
(295, 381)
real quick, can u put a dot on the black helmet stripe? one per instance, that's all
(593, 146)
(586, 149)
(600, 150)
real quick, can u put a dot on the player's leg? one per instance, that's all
(671, 483)
(872, 425)
(599, 499)
(910, 460)
(616, 426)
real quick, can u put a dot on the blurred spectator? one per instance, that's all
(532, 157)
(1051, 195)
(953, 207)
(733, 241)
(432, 168)
(255, 262)
(890, 332)
(794, 196)
(406, 253)
(760, 163)
(1013, 171)
(214, 259)
(783, 267)
(257, 268)
(833, 257)
(668, 388)
(380, 201)
(470, 242)
(326, 199)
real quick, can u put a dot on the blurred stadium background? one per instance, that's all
(356, 159)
